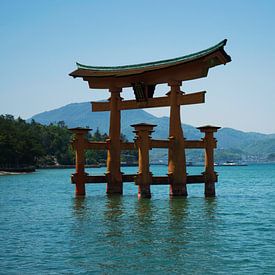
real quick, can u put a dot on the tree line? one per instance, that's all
(34, 144)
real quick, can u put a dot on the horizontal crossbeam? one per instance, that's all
(156, 180)
(128, 146)
(188, 144)
(96, 145)
(183, 99)
(191, 179)
(155, 143)
(194, 144)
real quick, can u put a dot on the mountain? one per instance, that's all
(236, 142)
(81, 115)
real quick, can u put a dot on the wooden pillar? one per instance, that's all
(113, 174)
(143, 143)
(209, 173)
(78, 144)
(176, 155)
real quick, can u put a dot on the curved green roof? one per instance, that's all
(182, 68)
(166, 62)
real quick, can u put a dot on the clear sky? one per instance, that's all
(41, 40)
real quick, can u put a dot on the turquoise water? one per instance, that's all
(45, 230)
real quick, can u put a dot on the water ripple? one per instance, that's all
(45, 230)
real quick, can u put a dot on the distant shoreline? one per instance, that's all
(28, 170)
(3, 173)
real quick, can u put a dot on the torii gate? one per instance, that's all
(143, 78)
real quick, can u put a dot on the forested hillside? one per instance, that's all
(25, 144)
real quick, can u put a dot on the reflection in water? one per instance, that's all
(210, 207)
(211, 230)
(80, 207)
(113, 218)
(114, 207)
(117, 227)
(178, 209)
(179, 234)
(145, 227)
(143, 209)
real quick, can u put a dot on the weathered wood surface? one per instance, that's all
(184, 99)
(156, 180)
(155, 143)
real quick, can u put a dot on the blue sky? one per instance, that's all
(41, 40)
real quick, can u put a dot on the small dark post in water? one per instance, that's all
(142, 141)
(209, 173)
(79, 143)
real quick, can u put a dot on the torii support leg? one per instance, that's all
(113, 174)
(209, 173)
(142, 141)
(79, 147)
(176, 155)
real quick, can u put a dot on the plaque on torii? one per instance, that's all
(143, 78)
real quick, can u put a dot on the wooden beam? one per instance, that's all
(96, 145)
(102, 178)
(155, 143)
(194, 144)
(100, 106)
(160, 180)
(101, 145)
(189, 144)
(195, 179)
(194, 98)
(96, 179)
(128, 177)
(191, 179)
(128, 146)
(156, 180)
(184, 99)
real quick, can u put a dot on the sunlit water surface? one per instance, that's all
(46, 230)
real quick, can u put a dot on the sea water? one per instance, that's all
(46, 230)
